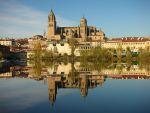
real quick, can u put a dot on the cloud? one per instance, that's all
(19, 19)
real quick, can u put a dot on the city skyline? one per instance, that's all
(116, 18)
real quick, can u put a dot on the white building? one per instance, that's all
(134, 43)
(59, 48)
(6, 42)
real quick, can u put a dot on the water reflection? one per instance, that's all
(79, 75)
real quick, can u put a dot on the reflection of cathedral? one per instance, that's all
(84, 85)
(85, 77)
(52, 89)
(82, 32)
(82, 82)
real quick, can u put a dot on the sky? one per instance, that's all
(117, 18)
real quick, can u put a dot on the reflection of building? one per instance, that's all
(52, 88)
(84, 77)
(76, 75)
(126, 72)
(80, 81)
(5, 50)
(84, 85)
(6, 75)
(116, 69)
(60, 68)
(38, 71)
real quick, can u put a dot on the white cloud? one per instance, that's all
(16, 18)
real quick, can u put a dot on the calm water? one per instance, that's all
(74, 88)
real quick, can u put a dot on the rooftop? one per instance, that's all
(129, 39)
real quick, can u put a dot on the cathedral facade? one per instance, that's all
(83, 32)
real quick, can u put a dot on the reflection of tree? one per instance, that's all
(144, 65)
(73, 74)
(1, 64)
(119, 67)
(128, 67)
(128, 55)
(144, 56)
(37, 67)
(95, 65)
(119, 53)
(1, 55)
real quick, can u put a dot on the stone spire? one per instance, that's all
(51, 16)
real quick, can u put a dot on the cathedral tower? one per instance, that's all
(84, 86)
(51, 24)
(52, 89)
(83, 28)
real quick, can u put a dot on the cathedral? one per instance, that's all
(83, 32)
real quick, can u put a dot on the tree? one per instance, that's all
(73, 44)
(119, 53)
(108, 55)
(112, 51)
(98, 52)
(37, 67)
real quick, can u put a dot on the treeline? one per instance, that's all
(115, 55)
(97, 54)
(94, 54)
(144, 56)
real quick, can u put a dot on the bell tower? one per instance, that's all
(83, 27)
(51, 24)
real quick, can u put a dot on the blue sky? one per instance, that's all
(116, 18)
